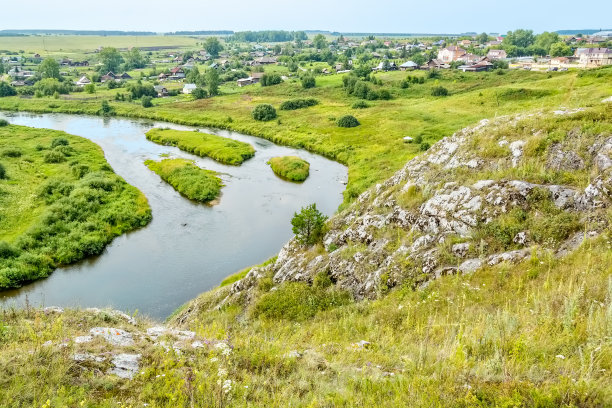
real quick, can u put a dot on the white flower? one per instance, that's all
(226, 351)
(227, 386)
(222, 373)
(561, 356)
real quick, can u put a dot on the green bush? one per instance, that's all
(11, 152)
(146, 101)
(199, 93)
(106, 110)
(294, 104)
(308, 81)
(348, 121)
(59, 141)
(6, 89)
(3, 122)
(54, 156)
(264, 112)
(297, 301)
(439, 91)
(2, 172)
(270, 79)
(424, 146)
(361, 105)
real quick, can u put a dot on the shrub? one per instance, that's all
(298, 301)
(54, 156)
(308, 81)
(146, 101)
(59, 141)
(270, 79)
(348, 121)
(139, 90)
(434, 74)
(264, 112)
(424, 146)
(308, 225)
(11, 153)
(90, 88)
(106, 109)
(2, 172)
(439, 91)
(361, 105)
(6, 89)
(199, 93)
(3, 122)
(384, 95)
(294, 104)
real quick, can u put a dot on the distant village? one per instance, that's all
(244, 64)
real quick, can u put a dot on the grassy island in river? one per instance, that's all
(187, 178)
(221, 149)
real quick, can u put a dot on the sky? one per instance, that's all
(382, 16)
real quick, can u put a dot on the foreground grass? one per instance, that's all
(374, 150)
(221, 149)
(290, 167)
(60, 203)
(188, 179)
(535, 334)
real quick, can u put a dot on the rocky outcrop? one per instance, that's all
(429, 219)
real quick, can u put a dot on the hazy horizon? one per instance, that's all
(445, 17)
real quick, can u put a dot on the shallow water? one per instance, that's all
(188, 248)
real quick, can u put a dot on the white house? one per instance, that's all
(450, 54)
(189, 88)
(83, 81)
(594, 57)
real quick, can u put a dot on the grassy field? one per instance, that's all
(60, 202)
(221, 149)
(375, 149)
(56, 45)
(291, 168)
(188, 179)
(531, 335)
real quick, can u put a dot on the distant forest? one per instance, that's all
(17, 33)
(267, 36)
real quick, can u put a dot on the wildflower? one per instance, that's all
(222, 373)
(561, 356)
(227, 386)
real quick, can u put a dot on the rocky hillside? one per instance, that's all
(501, 191)
(479, 275)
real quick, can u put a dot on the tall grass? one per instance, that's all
(290, 168)
(188, 179)
(65, 216)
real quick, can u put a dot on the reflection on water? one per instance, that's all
(188, 248)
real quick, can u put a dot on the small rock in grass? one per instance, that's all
(125, 365)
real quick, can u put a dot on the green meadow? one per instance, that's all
(375, 149)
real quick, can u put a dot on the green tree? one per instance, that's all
(521, 38)
(193, 76)
(560, 49)
(213, 46)
(545, 40)
(6, 89)
(319, 41)
(212, 79)
(134, 59)
(482, 38)
(308, 225)
(49, 68)
(146, 101)
(308, 81)
(111, 59)
(90, 88)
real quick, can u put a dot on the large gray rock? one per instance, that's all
(116, 337)
(125, 365)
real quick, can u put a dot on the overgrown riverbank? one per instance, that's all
(61, 202)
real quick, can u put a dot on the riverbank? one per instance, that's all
(376, 148)
(61, 201)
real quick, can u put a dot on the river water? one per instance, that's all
(188, 248)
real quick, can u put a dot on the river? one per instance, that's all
(189, 247)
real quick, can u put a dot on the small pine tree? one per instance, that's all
(308, 225)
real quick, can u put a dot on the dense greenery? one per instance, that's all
(264, 112)
(308, 225)
(270, 79)
(188, 179)
(348, 121)
(221, 149)
(294, 104)
(61, 203)
(290, 167)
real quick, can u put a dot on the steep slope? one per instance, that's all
(501, 191)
